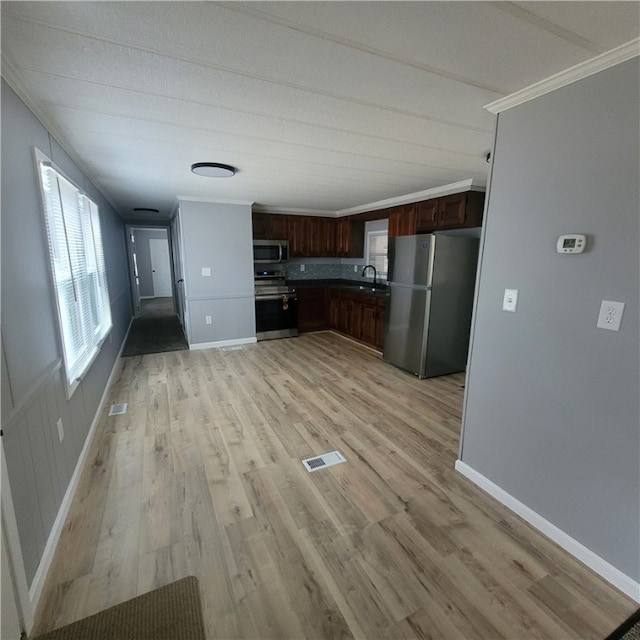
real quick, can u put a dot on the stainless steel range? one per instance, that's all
(276, 306)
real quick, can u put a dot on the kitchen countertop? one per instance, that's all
(356, 286)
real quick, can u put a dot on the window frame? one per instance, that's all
(93, 309)
(376, 228)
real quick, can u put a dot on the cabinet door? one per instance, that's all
(298, 236)
(427, 217)
(379, 335)
(369, 320)
(330, 237)
(312, 309)
(278, 227)
(349, 238)
(402, 220)
(344, 318)
(354, 327)
(260, 225)
(452, 210)
(334, 308)
(321, 237)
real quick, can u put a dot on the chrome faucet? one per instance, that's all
(375, 273)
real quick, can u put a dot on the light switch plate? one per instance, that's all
(510, 300)
(206, 271)
(610, 315)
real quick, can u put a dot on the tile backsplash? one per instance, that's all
(322, 269)
(327, 269)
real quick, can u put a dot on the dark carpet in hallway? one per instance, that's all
(155, 335)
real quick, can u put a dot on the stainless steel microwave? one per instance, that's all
(270, 251)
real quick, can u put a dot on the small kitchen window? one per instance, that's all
(377, 236)
(77, 268)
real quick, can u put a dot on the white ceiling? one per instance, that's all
(321, 106)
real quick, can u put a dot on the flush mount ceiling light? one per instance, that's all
(145, 210)
(213, 169)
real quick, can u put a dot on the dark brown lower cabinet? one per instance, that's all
(312, 309)
(357, 315)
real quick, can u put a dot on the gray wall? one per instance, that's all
(552, 402)
(143, 257)
(217, 236)
(33, 388)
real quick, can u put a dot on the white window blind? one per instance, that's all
(377, 243)
(79, 276)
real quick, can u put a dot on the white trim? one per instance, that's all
(483, 234)
(456, 187)
(39, 579)
(10, 526)
(221, 343)
(225, 296)
(607, 571)
(12, 78)
(149, 297)
(213, 200)
(292, 211)
(579, 71)
(33, 390)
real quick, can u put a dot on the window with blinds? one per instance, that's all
(78, 270)
(377, 243)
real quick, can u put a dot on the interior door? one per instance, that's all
(160, 268)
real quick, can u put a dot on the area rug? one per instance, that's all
(154, 335)
(628, 630)
(173, 612)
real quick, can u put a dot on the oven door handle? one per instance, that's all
(277, 296)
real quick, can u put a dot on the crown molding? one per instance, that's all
(11, 76)
(213, 200)
(579, 71)
(293, 211)
(456, 187)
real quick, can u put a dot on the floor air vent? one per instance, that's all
(323, 461)
(235, 348)
(118, 409)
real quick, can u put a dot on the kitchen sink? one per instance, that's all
(363, 288)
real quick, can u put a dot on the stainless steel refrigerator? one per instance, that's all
(431, 281)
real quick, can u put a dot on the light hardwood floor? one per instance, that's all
(203, 476)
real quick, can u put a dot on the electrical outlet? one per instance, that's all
(355, 268)
(510, 300)
(610, 315)
(207, 319)
(60, 429)
(206, 271)
(301, 267)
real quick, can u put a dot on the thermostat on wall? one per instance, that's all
(571, 243)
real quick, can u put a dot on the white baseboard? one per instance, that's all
(35, 591)
(607, 571)
(221, 343)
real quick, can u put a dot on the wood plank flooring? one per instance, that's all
(202, 476)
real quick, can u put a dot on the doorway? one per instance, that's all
(156, 325)
(151, 272)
